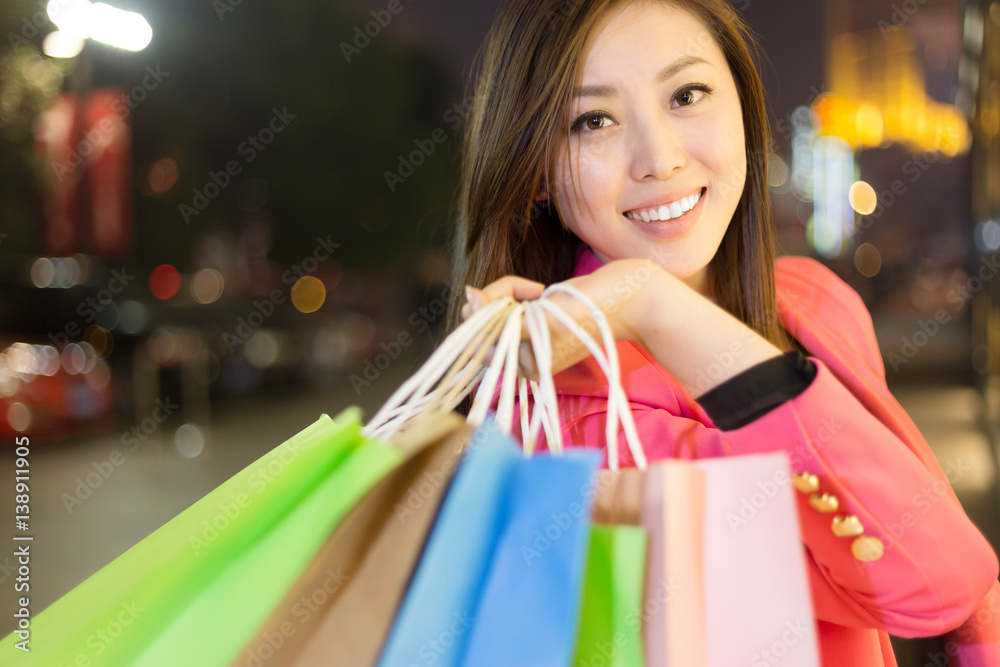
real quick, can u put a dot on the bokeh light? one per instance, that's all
(165, 281)
(262, 349)
(189, 441)
(134, 317)
(19, 417)
(308, 294)
(162, 175)
(207, 286)
(42, 272)
(73, 358)
(867, 260)
(863, 198)
(59, 44)
(100, 339)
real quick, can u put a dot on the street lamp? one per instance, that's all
(79, 20)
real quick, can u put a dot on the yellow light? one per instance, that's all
(867, 260)
(100, 339)
(869, 123)
(308, 294)
(862, 197)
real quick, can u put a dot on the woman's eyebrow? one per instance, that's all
(664, 74)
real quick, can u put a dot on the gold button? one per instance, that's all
(846, 526)
(805, 482)
(867, 548)
(824, 502)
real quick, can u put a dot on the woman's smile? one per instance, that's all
(669, 221)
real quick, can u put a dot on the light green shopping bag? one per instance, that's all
(194, 591)
(610, 631)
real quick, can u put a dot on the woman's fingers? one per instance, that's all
(521, 289)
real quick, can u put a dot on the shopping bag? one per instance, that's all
(529, 608)
(610, 631)
(340, 610)
(673, 513)
(193, 591)
(756, 591)
(433, 623)
(611, 612)
(721, 586)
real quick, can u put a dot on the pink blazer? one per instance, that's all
(937, 574)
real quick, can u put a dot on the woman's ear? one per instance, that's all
(541, 195)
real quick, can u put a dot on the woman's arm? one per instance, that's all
(687, 334)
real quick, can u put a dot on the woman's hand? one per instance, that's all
(620, 289)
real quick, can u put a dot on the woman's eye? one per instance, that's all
(595, 120)
(689, 96)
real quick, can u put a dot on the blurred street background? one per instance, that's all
(219, 220)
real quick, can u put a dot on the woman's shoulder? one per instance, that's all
(808, 284)
(811, 296)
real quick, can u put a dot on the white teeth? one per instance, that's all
(666, 211)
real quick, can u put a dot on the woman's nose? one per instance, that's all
(657, 148)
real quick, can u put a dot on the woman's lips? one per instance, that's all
(668, 211)
(665, 229)
(675, 226)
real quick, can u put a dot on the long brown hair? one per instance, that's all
(530, 60)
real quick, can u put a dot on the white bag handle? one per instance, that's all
(470, 339)
(458, 359)
(546, 406)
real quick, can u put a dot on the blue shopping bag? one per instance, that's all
(529, 609)
(433, 623)
(500, 578)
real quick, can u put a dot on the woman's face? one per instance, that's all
(657, 127)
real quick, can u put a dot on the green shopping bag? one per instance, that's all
(610, 631)
(194, 591)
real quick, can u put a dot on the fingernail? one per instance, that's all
(474, 296)
(466, 311)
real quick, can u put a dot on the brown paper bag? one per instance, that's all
(342, 607)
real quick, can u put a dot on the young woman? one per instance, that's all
(622, 147)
